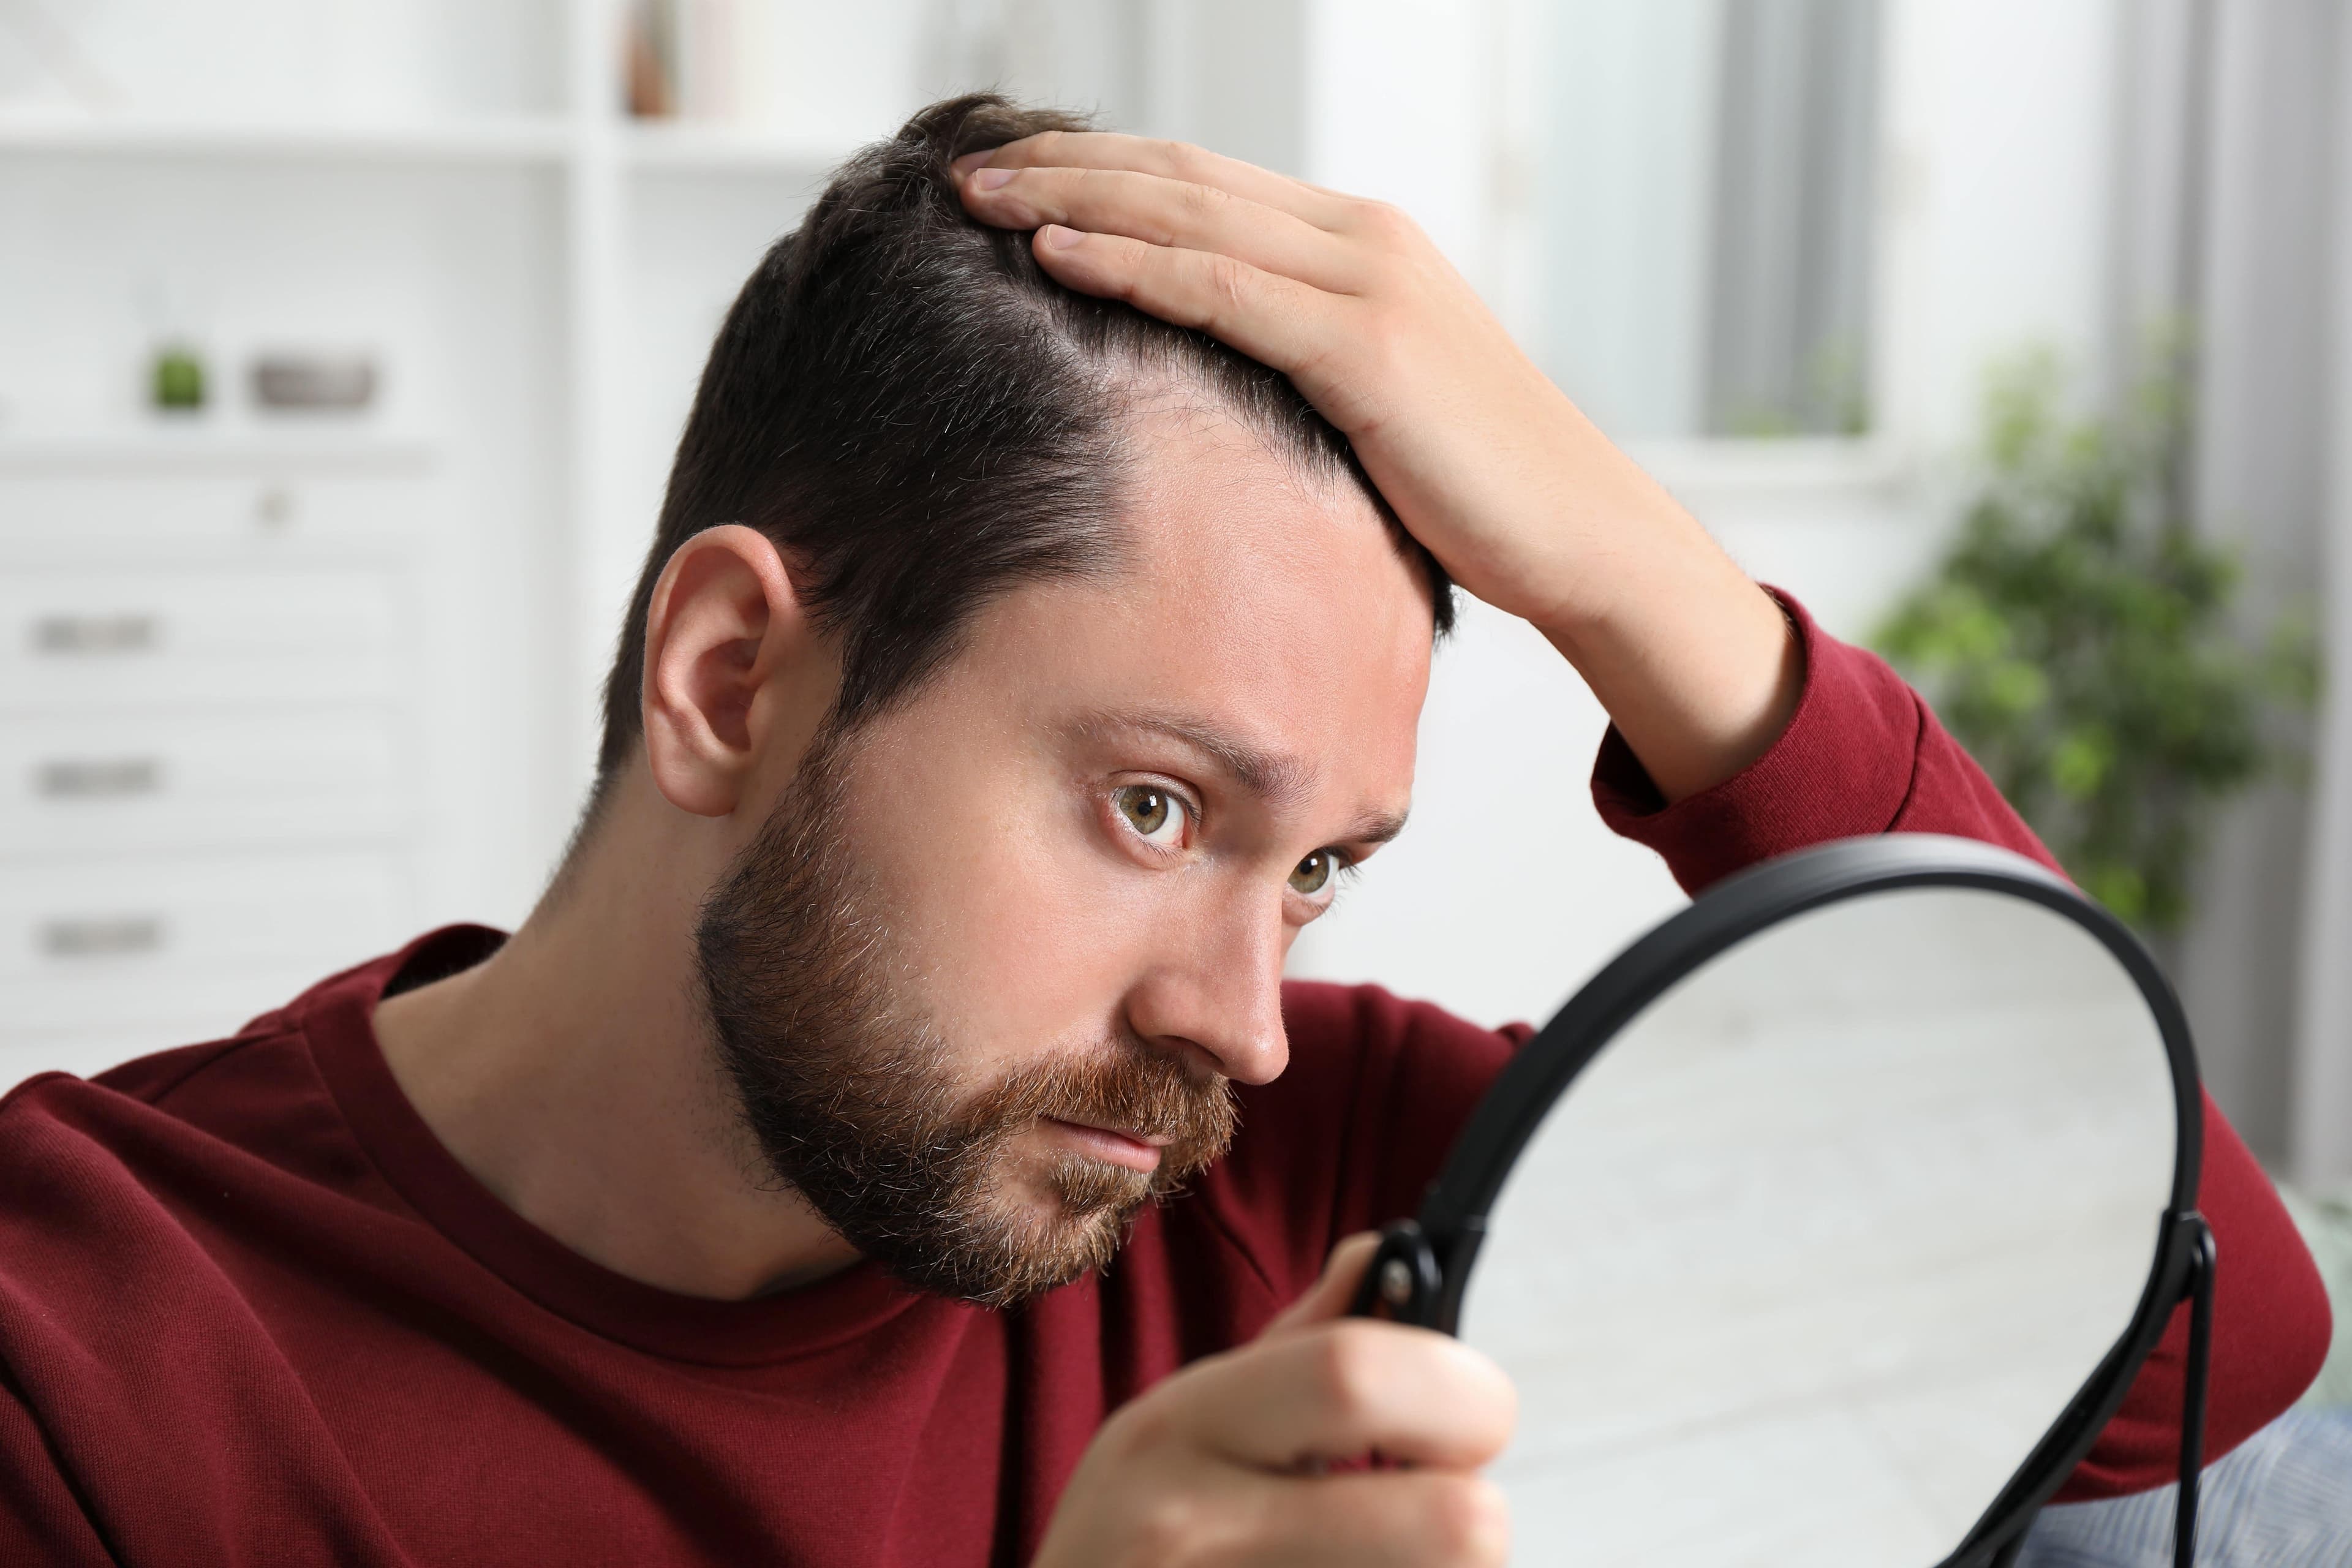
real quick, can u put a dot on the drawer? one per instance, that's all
(73, 640)
(147, 782)
(96, 947)
(196, 507)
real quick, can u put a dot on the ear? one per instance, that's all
(733, 668)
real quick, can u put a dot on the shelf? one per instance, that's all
(522, 139)
(200, 446)
(691, 148)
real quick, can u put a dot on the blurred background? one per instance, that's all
(343, 344)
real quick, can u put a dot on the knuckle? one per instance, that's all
(1167, 1530)
(1383, 221)
(1183, 161)
(1199, 201)
(1136, 1429)
(1352, 1365)
(1469, 1522)
(1228, 284)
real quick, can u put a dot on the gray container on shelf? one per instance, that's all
(320, 382)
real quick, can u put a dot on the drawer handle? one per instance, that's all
(105, 937)
(84, 635)
(99, 778)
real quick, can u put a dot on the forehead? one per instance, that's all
(1271, 604)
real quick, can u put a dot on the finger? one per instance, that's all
(1277, 320)
(1327, 1298)
(1165, 212)
(1343, 1389)
(1171, 160)
(1385, 1517)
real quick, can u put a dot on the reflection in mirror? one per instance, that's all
(1805, 1262)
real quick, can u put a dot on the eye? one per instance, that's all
(1155, 814)
(1314, 874)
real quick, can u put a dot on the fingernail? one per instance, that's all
(1054, 236)
(969, 161)
(990, 179)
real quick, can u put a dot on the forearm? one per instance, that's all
(1697, 665)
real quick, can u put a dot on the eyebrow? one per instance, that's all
(1279, 780)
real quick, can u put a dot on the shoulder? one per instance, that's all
(1352, 1130)
(87, 1166)
(146, 1168)
(131, 1214)
(239, 1097)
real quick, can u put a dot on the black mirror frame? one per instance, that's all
(1423, 1266)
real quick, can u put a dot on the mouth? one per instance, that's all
(1108, 1144)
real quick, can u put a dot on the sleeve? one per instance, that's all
(1864, 755)
(1351, 1134)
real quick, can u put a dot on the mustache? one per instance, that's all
(1133, 1088)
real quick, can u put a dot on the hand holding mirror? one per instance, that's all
(1829, 1223)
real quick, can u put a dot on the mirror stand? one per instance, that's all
(2193, 1245)
(2202, 1261)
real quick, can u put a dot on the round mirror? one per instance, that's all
(1827, 1224)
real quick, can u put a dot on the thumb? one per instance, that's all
(1327, 1298)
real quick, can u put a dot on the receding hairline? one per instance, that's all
(1166, 386)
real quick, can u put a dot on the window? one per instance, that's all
(1705, 179)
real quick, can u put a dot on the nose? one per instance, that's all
(1216, 988)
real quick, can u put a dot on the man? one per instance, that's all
(890, 1139)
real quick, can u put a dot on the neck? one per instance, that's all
(573, 1075)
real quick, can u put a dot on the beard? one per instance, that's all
(851, 1090)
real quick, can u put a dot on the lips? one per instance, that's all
(1108, 1144)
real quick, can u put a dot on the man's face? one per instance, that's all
(984, 979)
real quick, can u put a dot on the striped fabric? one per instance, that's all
(2281, 1499)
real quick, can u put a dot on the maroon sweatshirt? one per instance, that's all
(251, 1311)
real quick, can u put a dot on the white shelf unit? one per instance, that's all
(540, 288)
(210, 689)
(525, 140)
(521, 139)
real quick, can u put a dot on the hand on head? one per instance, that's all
(1523, 501)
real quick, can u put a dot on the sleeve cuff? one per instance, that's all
(1843, 768)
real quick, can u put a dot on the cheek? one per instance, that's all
(1022, 934)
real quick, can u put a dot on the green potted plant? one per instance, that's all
(2079, 637)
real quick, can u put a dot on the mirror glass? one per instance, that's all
(1804, 1262)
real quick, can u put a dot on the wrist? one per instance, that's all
(1700, 676)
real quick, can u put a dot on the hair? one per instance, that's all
(921, 419)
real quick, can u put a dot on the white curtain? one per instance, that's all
(2230, 207)
(2321, 1114)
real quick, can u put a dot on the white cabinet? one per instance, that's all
(72, 638)
(119, 954)
(211, 758)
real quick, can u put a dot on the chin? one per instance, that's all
(1061, 1212)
